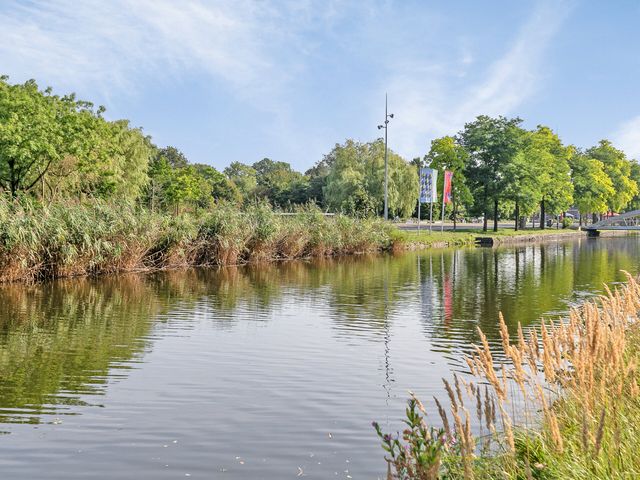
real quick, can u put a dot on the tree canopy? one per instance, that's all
(60, 148)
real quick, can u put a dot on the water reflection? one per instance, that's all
(330, 340)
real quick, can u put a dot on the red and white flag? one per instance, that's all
(448, 176)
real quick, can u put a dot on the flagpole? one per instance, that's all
(444, 186)
(431, 216)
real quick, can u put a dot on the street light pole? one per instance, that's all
(387, 116)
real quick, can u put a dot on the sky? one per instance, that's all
(240, 80)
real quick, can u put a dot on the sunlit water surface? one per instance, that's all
(261, 372)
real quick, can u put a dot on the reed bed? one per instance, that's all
(62, 240)
(559, 402)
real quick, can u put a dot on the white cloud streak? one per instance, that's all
(107, 46)
(627, 137)
(254, 51)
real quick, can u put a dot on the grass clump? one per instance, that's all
(39, 241)
(560, 402)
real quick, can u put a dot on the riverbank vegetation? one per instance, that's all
(557, 402)
(59, 240)
(58, 149)
(468, 236)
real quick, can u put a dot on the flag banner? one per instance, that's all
(446, 193)
(428, 190)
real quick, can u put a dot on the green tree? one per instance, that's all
(275, 180)
(446, 154)
(492, 144)
(634, 204)
(523, 186)
(618, 168)
(187, 186)
(359, 167)
(593, 187)
(36, 130)
(221, 187)
(65, 145)
(244, 177)
(174, 157)
(544, 149)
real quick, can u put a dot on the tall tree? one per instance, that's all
(174, 157)
(446, 154)
(492, 143)
(221, 187)
(36, 130)
(593, 187)
(275, 180)
(523, 186)
(544, 149)
(357, 171)
(618, 168)
(244, 177)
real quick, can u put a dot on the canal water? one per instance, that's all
(268, 372)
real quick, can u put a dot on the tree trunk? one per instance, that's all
(542, 214)
(495, 215)
(517, 215)
(594, 218)
(455, 208)
(13, 182)
(486, 213)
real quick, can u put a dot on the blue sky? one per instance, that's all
(239, 80)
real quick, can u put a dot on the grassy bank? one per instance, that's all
(38, 242)
(558, 402)
(468, 236)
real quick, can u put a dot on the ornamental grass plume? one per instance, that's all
(577, 380)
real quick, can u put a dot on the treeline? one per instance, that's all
(58, 148)
(501, 170)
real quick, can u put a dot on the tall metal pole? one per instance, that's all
(386, 166)
(385, 125)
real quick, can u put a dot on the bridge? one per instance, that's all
(624, 221)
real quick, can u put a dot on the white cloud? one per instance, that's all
(108, 46)
(255, 51)
(627, 137)
(430, 103)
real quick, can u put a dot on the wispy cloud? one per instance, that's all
(110, 45)
(431, 103)
(627, 137)
(268, 54)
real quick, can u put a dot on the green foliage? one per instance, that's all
(356, 179)
(65, 147)
(593, 187)
(221, 187)
(446, 154)
(492, 144)
(278, 182)
(545, 149)
(417, 454)
(244, 177)
(618, 168)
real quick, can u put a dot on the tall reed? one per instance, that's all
(561, 401)
(46, 241)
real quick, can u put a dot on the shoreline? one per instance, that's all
(397, 242)
(466, 238)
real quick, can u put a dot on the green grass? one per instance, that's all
(468, 236)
